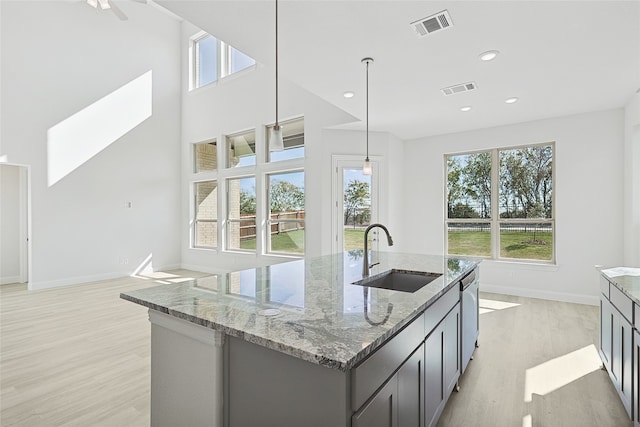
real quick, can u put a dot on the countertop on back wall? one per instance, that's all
(627, 279)
(308, 308)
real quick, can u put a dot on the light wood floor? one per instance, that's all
(79, 356)
(76, 356)
(544, 348)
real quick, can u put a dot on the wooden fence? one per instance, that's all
(281, 222)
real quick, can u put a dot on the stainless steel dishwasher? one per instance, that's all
(469, 288)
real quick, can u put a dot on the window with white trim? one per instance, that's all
(212, 59)
(262, 207)
(500, 203)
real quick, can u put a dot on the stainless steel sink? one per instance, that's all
(399, 280)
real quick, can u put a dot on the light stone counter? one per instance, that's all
(307, 308)
(627, 279)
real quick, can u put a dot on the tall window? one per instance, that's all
(500, 203)
(286, 212)
(212, 59)
(205, 230)
(241, 213)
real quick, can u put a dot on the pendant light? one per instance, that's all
(366, 168)
(275, 139)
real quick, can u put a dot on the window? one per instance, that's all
(205, 230)
(500, 203)
(206, 60)
(212, 59)
(262, 208)
(205, 157)
(286, 212)
(293, 138)
(241, 149)
(241, 213)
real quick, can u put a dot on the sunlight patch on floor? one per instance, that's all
(558, 372)
(526, 421)
(489, 305)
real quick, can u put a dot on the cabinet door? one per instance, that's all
(626, 363)
(382, 410)
(636, 376)
(434, 375)
(411, 390)
(606, 330)
(451, 350)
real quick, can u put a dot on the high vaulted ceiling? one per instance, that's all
(558, 57)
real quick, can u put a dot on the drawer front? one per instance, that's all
(622, 302)
(367, 377)
(437, 311)
(604, 286)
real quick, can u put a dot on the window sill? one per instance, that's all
(522, 265)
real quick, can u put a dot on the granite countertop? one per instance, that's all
(308, 308)
(627, 279)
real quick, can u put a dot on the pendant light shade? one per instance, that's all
(366, 168)
(276, 142)
(275, 138)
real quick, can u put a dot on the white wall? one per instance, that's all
(247, 101)
(632, 182)
(9, 224)
(589, 195)
(58, 58)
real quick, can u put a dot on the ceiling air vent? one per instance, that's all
(464, 87)
(433, 23)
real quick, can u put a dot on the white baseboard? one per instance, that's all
(541, 294)
(9, 279)
(33, 286)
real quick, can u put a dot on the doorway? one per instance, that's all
(14, 220)
(356, 204)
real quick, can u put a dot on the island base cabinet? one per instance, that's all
(399, 402)
(442, 365)
(636, 379)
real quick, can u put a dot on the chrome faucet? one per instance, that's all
(365, 261)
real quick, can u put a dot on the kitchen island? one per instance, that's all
(298, 343)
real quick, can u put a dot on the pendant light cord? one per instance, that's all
(277, 125)
(367, 100)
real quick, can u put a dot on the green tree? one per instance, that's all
(526, 182)
(285, 196)
(247, 202)
(476, 178)
(357, 199)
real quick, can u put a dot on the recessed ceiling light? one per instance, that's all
(511, 100)
(348, 94)
(489, 55)
(465, 108)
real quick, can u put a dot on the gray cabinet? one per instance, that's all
(382, 410)
(616, 341)
(442, 365)
(636, 378)
(399, 401)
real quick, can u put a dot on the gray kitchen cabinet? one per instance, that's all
(382, 410)
(616, 342)
(399, 402)
(636, 378)
(442, 365)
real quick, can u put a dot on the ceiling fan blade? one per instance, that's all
(119, 13)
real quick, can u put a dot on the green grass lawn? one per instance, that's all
(513, 244)
(289, 242)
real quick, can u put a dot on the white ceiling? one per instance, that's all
(558, 57)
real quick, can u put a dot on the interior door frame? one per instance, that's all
(339, 163)
(24, 184)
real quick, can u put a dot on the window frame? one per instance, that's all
(222, 60)
(495, 221)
